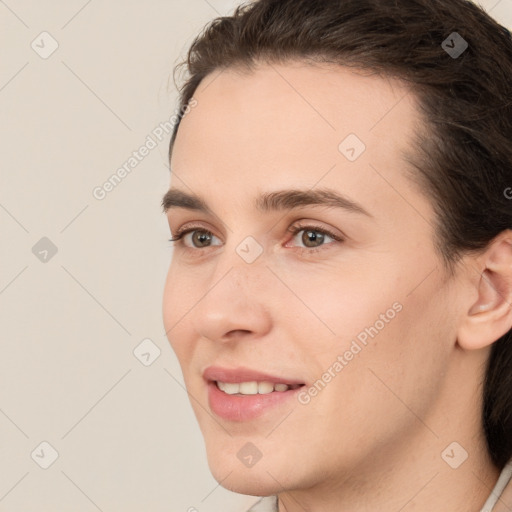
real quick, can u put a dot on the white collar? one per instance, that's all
(504, 480)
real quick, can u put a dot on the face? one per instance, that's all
(346, 301)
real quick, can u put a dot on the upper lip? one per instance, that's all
(243, 374)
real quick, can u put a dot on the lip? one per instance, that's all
(243, 374)
(248, 407)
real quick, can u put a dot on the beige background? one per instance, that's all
(125, 433)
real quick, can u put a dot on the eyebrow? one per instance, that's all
(270, 201)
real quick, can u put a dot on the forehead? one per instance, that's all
(295, 122)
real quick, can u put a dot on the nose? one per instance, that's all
(235, 302)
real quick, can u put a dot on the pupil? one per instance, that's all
(201, 237)
(311, 236)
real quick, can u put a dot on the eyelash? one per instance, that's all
(292, 229)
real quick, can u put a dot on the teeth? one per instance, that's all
(265, 387)
(248, 388)
(229, 388)
(251, 388)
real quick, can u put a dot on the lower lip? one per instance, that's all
(247, 407)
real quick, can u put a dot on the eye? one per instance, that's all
(200, 236)
(313, 238)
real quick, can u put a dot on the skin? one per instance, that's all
(372, 439)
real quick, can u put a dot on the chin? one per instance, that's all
(262, 479)
(248, 481)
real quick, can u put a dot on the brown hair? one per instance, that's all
(462, 158)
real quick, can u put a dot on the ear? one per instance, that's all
(490, 316)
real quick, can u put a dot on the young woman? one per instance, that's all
(340, 292)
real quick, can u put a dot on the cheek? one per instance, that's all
(169, 302)
(175, 306)
(339, 303)
(369, 400)
(404, 355)
(365, 292)
(376, 320)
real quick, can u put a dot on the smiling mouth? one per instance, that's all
(254, 387)
(245, 395)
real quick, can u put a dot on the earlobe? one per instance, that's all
(490, 316)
